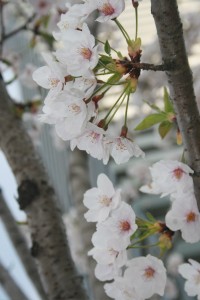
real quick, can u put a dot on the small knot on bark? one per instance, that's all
(196, 174)
(35, 249)
(27, 191)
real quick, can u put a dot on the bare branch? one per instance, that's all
(170, 34)
(20, 246)
(17, 30)
(10, 285)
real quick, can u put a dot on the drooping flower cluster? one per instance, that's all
(116, 223)
(173, 178)
(70, 75)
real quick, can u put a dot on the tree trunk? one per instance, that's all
(11, 288)
(79, 184)
(170, 35)
(38, 200)
(20, 246)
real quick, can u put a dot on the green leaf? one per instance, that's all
(150, 217)
(119, 55)
(168, 106)
(106, 59)
(153, 106)
(151, 120)
(107, 47)
(164, 128)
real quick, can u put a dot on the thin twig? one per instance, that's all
(20, 28)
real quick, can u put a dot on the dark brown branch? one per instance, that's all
(170, 35)
(152, 67)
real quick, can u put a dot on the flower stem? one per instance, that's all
(123, 96)
(136, 23)
(123, 31)
(104, 44)
(126, 111)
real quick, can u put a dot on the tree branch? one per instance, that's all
(47, 231)
(10, 286)
(20, 246)
(170, 35)
(17, 30)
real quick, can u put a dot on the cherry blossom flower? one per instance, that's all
(109, 9)
(121, 289)
(107, 255)
(79, 52)
(69, 114)
(150, 188)
(105, 248)
(101, 200)
(121, 225)
(147, 275)
(191, 272)
(91, 140)
(86, 84)
(184, 215)
(107, 272)
(51, 76)
(169, 177)
(122, 149)
(74, 17)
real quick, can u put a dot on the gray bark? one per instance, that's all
(79, 184)
(20, 246)
(38, 200)
(10, 286)
(170, 35)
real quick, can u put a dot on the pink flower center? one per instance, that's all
(94, 136)
(178, 173)
(191, 217)
(120, 146)
(86, 53)
(107, 9)
(149, 272)
(42, 4)
(53, 82)
(105, 200)
(125, 225)
(74, 108)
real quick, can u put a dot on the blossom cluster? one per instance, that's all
(138, 278)
(72, 103)
(173, 178)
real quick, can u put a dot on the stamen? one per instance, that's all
(125, 226)
(107, 9)
(149, 272)
(86, 53)
(191, 217)
(178, 173)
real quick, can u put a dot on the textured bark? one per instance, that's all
(79, 184)
(20, 246)
(11, 288)
(38, 199)
(170, 35)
